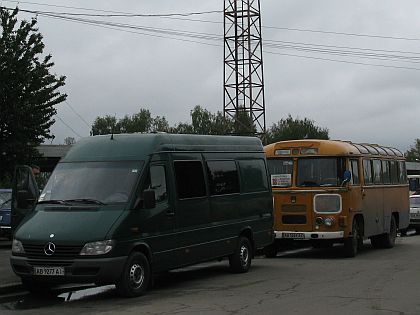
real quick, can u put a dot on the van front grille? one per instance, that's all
(61, 251)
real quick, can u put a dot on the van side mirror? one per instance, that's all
(149, 199)
(346, 177)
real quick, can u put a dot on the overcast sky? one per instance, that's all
(112, 72)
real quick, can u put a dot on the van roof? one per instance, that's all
(139, 146)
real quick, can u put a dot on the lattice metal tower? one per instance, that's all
(243, 76)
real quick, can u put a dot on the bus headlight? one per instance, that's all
(327, 203)
(97, 248)
(328, 221)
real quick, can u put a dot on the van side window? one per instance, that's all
(158, 182)
(354, 166)
(253, 175)
(223, 177)
(189, 179)
(367, 172)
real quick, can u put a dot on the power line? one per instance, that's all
(343, 61)
(74, 111)
(109, 13)
(65, 124)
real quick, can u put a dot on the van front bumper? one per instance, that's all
(90, 270)
(308, 235)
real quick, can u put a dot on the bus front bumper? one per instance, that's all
(309, 235)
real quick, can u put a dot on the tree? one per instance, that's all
(28, 92)
(105, 125)
(292, 129)
(206, 123)
(413, 154)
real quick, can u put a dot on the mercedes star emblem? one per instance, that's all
(49, 249)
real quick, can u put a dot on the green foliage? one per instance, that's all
(413, 154)
(28, 92)
(293, 129)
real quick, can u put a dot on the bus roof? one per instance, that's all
(329, 147)
(139, 146)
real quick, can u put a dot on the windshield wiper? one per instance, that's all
(86, 200)
(54, 201)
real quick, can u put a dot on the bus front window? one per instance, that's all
(319, 172)
(281, 171)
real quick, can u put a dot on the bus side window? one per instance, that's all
(386, 172)
(367, 172)
(354, 165)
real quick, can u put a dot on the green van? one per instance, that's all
(119, 208)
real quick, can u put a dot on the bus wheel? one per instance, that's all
(135, 277)
(354, 243)
(386, 240)
(389, 238)
(271, 250)
(240, 260)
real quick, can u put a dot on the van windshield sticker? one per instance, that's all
(134, 170)
(281, 180)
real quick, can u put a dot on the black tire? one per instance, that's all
(353, 244)
(271, 250)
(417, 230)
(386, 240)
(389, 238)
(135, 278)
(240, 260)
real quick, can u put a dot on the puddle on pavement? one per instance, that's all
(31, 301)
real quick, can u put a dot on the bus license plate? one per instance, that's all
(293, 235)
(49, 271)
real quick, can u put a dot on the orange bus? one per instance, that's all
(329, 191)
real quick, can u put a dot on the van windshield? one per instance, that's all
(92, 182)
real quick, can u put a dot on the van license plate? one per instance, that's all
(293, 235)
(49, 271)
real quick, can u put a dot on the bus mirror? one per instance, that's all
(346, 177)
(149, 199)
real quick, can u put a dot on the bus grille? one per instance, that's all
(61, 251)
(293, 208)
(294, 219)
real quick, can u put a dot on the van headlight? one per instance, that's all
(97, 248)
(17, 247)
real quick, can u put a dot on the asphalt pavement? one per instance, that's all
(9, 282)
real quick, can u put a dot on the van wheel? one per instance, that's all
(135, 277)
(240, 260)
(354, 243)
